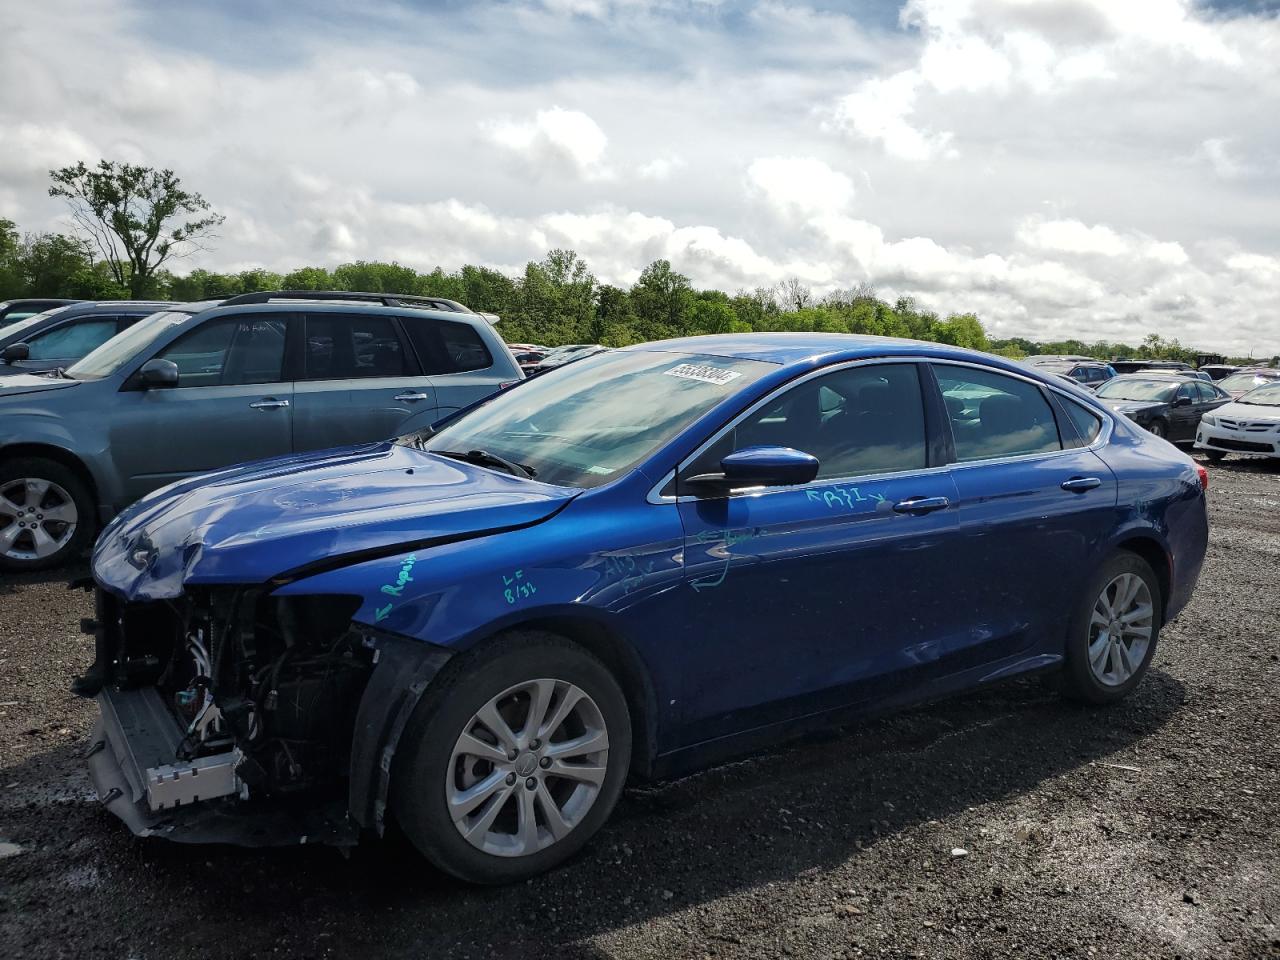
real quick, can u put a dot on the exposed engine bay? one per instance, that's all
(229, 695)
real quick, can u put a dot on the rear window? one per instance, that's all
(345, 347)
(1087, 423)
(445, 346)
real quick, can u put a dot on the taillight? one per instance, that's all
(1204, 478)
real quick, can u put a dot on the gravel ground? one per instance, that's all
(1003, 824)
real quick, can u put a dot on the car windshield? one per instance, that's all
(585, 427)
(1268, 396)
(1122, 389)
(14, 331)
(1241, 381)
(123, 347)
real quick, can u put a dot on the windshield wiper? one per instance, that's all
(483, 458)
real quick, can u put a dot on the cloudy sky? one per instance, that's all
(1096, 168)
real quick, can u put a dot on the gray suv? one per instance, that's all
(205, 385)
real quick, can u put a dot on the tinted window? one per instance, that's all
(993, 415)
(1087, 423)
(858, 421)
(73, 340)
(444, 346)
(342, 347)
(1207, 392)
(1188, 392)
(234, 351)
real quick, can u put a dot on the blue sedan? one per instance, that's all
(658, 558)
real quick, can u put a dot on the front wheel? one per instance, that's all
(1215, 455)
(1114, 631)
(510, 766)
(1157, 428)
(46, 514)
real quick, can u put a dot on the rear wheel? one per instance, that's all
(510, 766)
(46, 514)
(1114, 631)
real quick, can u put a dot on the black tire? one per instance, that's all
(1078, 679)
(1158, 428)
(64, 477)
(423, 767)
(1215, 455)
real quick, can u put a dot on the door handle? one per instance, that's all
(411, 397)
(921, 505)
(1081, 484)
(269, 404)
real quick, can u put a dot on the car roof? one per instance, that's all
(406, 311)
(790, 348)
(1170, 376)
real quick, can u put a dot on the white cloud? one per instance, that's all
(1062, 167)
(554, 139)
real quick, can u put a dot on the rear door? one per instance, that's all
(231, 405)
(359, 382)
(1033, 504)
(461, 366)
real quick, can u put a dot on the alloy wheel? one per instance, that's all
(1120, 628)
(527, 767)
(37, 518)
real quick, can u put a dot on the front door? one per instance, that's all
(800, 599)
(359, 383)
(230, 406)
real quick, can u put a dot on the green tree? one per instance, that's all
(961, 330)
(12, 282)
(307, 278)
(661, 299)
(138, 218)
(50, 262)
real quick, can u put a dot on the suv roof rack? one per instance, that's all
(386, 299)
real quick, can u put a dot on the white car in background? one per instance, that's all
(1249, 425)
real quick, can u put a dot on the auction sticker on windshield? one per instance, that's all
(700, 371)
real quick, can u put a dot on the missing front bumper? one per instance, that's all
(132, 762)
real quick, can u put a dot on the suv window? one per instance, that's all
(858, 421)
(350, 346)
(445, 346)
(236, 350)
(993, 415)
(72, 340)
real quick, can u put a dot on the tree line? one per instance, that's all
(131, 221)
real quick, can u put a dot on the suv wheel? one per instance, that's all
(45, 514)
(511, 765)
(1114, 631)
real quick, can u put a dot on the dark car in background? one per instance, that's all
(1169, 405)
(11, 311)
(1090, 374)
(1218, 371)
(61, 336)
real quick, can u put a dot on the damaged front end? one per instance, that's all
(227, 715)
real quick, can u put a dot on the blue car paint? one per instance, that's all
(744, 613)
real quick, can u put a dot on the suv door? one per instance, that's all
(358, 383)
(1034, 504)
(230, 405)
(825, 591)
(457, 359)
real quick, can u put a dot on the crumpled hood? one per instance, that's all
(254, 522)
(1131, 407)
(22, 383)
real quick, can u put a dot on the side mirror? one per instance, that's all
(759, 467)
(157, 374)
(1182, 402)
(15, 352)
